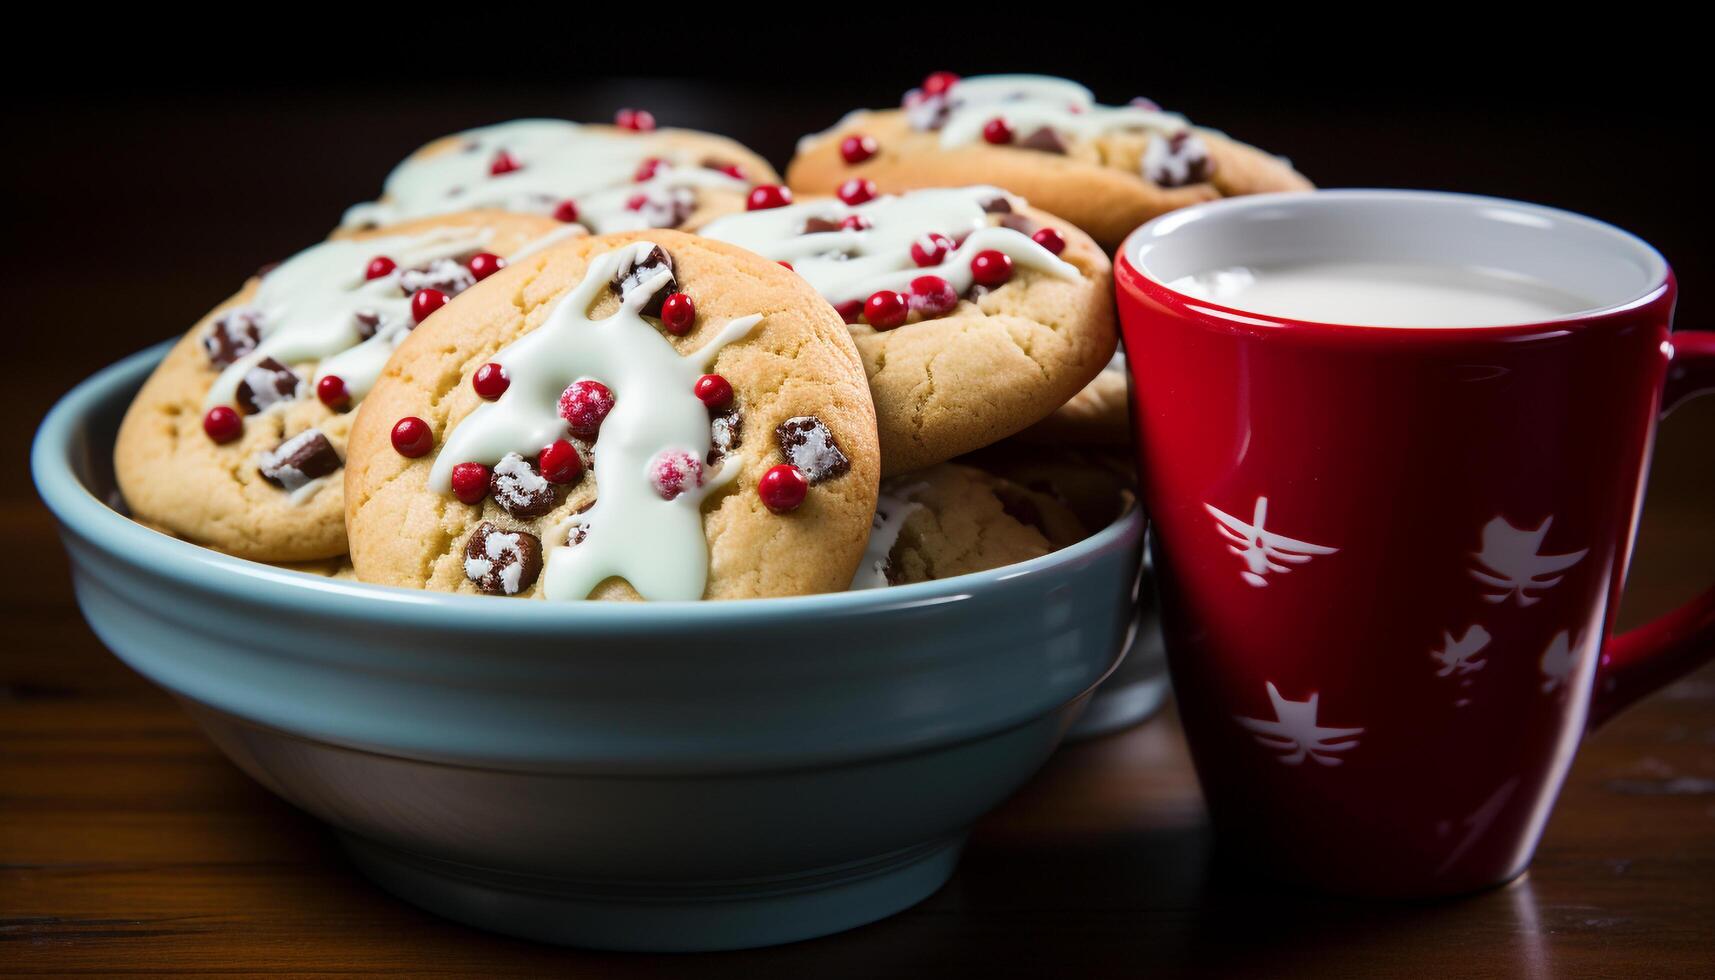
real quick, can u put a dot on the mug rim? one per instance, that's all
(80, 512)
(1131, 274)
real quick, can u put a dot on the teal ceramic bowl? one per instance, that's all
(664, 776)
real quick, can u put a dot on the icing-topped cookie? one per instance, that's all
(1107, 169)
(607, 178)
(645, 415)
(975, 315)
(238, 438)
(952, 519)
(1097, 416)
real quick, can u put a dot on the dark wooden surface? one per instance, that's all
(128, 845)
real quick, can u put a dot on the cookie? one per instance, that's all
(975, 315)
(950, 520)
(1106, 169)
(646, 415)
(237, 440)
(607, 178)
(1097, 416)
(1095, 483)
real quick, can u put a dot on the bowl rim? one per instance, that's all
(81, 513)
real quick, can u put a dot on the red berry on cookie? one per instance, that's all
(675, 471)
(560, 463)
(933, 296)
(412, 438)
(331, 390)
(503, 163)
(425, 302)
(765, 196)
(1050, 239)
(222, 424)
(470, 482)
(678, 314)
(648, 169)
(584, 405)
(996, 131)
(713, 390)
(566, 211)
(490, 381)
(857, 148)
(856, 191)
(991, 267)
(886, 309)
(937, 83)
(485, 264)
(931, 249)
(636, 120)
(379, 266)
(783, 488)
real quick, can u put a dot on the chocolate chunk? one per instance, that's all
(634, 273)
(1019, 223)
(724, 434)
(502, 562)
(1180, 159)
(815, 226)
(266, 384)
(232, 336)
(519, 489)
(300, 459)
(368, 323)
(1045, 140)
(997, 205)
(807, 444)
(445, 275)
(664, 207)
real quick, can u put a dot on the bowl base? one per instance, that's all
(662, 916)
(1112, 711)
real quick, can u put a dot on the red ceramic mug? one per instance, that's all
(1390, 556)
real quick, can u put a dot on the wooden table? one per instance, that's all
(128, 845)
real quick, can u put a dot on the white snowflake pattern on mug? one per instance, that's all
(1512, 565)
(1459, 656)
(1557, 661)
(1295, 734)
(1262, 551)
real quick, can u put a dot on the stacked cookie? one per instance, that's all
(569, 362)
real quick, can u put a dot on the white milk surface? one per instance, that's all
(1384, 294)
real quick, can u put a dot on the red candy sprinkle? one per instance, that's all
(857, 190)
(886, 309)
(379, 266)
(1050, 239)
(636, 120)
(782, 488)
(997, 131)
(426, 301)
(855, 222)
(503, 163)
(674, 471)
(851, 310)
(412, 438)
(938, 82)
(584, 404)
(991, 268)
(331, 390)
(222, 424)
(931, 249)
(932, 295)
(636, 202)
(765, 196)
(648, 169)
(470, 482)
(559, 462)
(713, 390)
(490, 381)
(678, 314)
(730, 169)
(485, 264)
(858, 148)
(788, 266)
(566, 211)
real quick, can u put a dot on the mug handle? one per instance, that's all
(1650, 656)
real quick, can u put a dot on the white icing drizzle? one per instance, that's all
(632, 533)
(892, 508)
(850, 264)
(1030, 102)
(558, 161)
